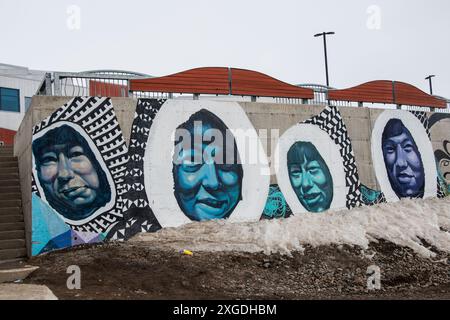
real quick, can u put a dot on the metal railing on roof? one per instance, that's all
(112, 83)
(115, 83)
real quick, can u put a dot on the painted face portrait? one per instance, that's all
(403, 160)
(310, 177)
(72, 179)
(207, 181)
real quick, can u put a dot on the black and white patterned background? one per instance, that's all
(138, 216)
(423, 118)
(97, 118)
(330, 121)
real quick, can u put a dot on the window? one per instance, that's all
(27, 103)
(9, 100)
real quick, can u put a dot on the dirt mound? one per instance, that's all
(137, 271)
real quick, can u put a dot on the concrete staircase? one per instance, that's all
(12, 226)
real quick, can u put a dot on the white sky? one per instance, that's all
(274, 37)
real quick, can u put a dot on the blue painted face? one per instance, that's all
(310, 177)
(207, 189)
(403, 161)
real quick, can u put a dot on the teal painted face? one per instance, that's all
(206, 189)
(310, 177)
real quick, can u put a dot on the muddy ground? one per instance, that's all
(135, 271)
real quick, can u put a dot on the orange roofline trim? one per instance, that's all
(222, 81)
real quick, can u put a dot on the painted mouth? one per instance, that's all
(218, 204)
(404, 178)
(311, 196)
(73, 191)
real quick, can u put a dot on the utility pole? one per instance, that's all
(324, 35)
(431, 84)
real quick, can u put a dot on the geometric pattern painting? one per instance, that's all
(330, 121)
(422, 116)
(79, 161)
(137, 214)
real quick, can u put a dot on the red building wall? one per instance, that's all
(7, 137)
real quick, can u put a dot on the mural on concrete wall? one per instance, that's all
(206, 185)
(79, 158)
(442, 152)
(310, 177)
(202, 160)
(137, 213)
(198, 172)
(402, 155)
(317, 169)
(276, 206)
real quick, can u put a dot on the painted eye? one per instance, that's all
(76, 154)
(48, 160)
(227, 167)
(190, 166)
(446, 163)
(408, 148)
(314, 171)
(296, 173)
(390, 150)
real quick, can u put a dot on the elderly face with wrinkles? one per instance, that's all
(310, 177)
(206, 186)
(68, 173)
(403, 161)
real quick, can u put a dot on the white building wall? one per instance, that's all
(27, 87)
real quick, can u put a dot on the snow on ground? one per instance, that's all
(403, 223)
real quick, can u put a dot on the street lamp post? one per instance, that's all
(324, 35)
(431, 84)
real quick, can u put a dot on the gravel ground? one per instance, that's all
(135, 271)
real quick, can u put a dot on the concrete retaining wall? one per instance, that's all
(359, 123)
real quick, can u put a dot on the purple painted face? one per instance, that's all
(403, 163)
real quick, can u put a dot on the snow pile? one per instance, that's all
(404, 223)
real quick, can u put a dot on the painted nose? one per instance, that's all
(401, 158)
(306, 182)
(210, 180)
(64, 170)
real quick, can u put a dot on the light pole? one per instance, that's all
(431, 84)
(324, 35)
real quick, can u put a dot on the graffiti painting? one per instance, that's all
(405, 167)
(137, 213)
(221, 183)
(206, 186)
(276, 206)
(310, 177)
(79, 158)
(317, 169)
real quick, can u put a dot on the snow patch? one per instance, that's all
(404, 223)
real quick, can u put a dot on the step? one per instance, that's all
(8, 164)
(12, 244)
(12, 175)
(10, 211)
(7, 158)
(8, 183)
(11, 218)
(14, 274)
(8, 235)
(10, 196)
(10, 203)
(6, 151)
(9, 170)
(14, 226)
(9, 189)
(9, 254)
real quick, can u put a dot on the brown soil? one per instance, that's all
(134, 271)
